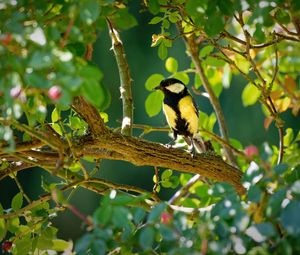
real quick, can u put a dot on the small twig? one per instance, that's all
(276, 67)
(125, 80)
(35, 203)
(80, 215)
(89, 52)
(184, 190)
(221, 141)
(21, 188)
(66, 34)
(279, 125)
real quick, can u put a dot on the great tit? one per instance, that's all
(181, 112)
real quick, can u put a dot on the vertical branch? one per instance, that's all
(193, 50)
(125, 80)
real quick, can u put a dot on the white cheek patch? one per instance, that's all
(175, 88)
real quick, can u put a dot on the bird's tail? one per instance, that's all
(200, 145)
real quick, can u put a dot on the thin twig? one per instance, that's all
(35, 203)
(125, 80)
(66, 34)
(80, 215)
(21, 188)
(184, 190)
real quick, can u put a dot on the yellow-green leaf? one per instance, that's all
(250, 95)
(153, 103)
(153, 81)
(171, 65)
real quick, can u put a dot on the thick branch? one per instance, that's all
(144, 153)
(125, 80)
(90, 114)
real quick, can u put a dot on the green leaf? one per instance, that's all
(120, 216)
(166, 24)
(36, 80)
(214, 24)
(57, 128)
(282, 16)
(155, 20)
(75, 167)
(290, 218)
(125, 20)
(205, 51)
(17, 201)
(153, 81)
(98, 247)
(182, 76)
(250, 95)
(174, 17)
(83, 244)
(103, 214)
(146, 238)
(2, 229)
(288, 137)
(75, 123)
(259, 34)
(60, 245)
(40, 60)
(93, 92)
(154, 6)
(171, 65)
(91, 72)
(55, 115)
(226, 7)
(212, 61)
(155, 213)
(166, 174)
(13, 225)
(153, 103)
(89, 11)
(274, 204)
(281, 168)
(162, 51)
(197, 81)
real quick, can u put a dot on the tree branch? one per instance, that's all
(90, 114)
(193, 51)
(144, 153)
(125, 80)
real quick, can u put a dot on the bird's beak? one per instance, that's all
(158, 87)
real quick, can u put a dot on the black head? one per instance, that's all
(171, 85)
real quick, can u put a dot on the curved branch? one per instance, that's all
(144, 153)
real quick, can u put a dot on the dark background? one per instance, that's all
(244, 124)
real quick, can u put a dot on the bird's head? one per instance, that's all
(171, 85)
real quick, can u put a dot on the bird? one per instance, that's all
(181, 112)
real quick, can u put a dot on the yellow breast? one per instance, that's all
(189, 113)
(170, 115)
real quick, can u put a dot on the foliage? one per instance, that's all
(47, 68)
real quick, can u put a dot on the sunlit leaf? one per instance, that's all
(17, 201)
(153, 81)
(171, 65)
(153, 103)
(250, 95)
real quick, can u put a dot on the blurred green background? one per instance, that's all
(244, 124)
